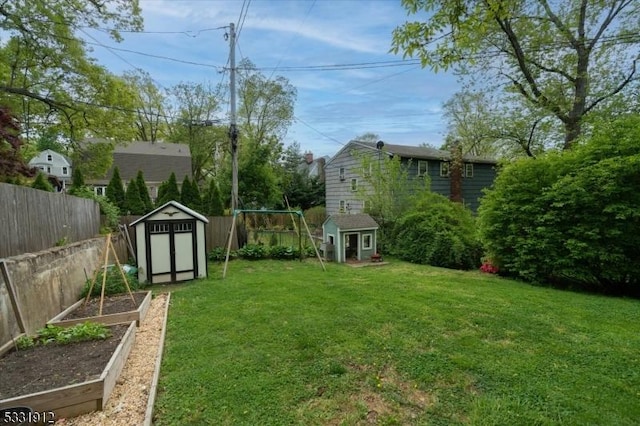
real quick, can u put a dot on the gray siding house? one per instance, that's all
(345, 176)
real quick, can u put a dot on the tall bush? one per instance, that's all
(437, 232)
(571, 219)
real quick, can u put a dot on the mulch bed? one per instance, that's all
(111, 305)
(52, 366)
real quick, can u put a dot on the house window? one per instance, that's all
(364, 205)
(444, 169)
(354, 184)
(331, 239)
(65, 171)
(367, 241)
(49, 157)
(423, 168)
(468, 170)
(100, 190)
(342, 206)
(366, 171)
(341, 173)
(48, 169)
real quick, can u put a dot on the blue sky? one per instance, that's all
(401, 102)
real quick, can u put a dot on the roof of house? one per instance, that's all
(156, 160)
(416, 152)
(353, 221)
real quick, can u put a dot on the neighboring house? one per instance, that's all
(349, 237)
(314, 167)
(157, 160)
(55, 165)
(346, 178)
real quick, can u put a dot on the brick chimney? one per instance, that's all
(308, 157)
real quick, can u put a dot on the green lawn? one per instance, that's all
(281, 342)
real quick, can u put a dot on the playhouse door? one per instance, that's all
(351, 247)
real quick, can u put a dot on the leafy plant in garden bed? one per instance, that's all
(64, 336)
(114, 283)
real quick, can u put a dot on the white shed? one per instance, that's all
(171, 244)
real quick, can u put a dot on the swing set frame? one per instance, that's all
(289, 212)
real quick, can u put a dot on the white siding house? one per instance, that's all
(53, 164)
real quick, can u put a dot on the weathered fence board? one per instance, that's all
(32, 220)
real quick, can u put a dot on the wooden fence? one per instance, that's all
(32, 220)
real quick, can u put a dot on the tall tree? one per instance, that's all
(115, 190)
(212, 201)
(168, 191)
(47, 76)
(194, 122)
(133, 203)
(264, 116)
(565, 57)
(190, 194)
(151, 118)
(144, 192)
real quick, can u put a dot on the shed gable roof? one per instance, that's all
(353, 221)
(178, 206)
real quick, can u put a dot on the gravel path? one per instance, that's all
(128, 402)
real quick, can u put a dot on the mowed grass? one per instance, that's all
(280, 342)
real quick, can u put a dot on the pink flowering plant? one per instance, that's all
(488, 266)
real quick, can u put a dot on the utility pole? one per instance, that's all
(233, 130)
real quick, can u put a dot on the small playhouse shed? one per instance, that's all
(170, 244)
(350, 236)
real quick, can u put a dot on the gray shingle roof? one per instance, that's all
(421, 153)
(156, 160)
(354, 221)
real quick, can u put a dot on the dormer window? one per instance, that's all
(49, 157)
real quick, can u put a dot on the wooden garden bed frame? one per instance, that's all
(108, 319)
(80, 398)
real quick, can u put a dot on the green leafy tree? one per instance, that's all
(48, 78)
(77, 180)
(168, 191)
(567, 58)
(115, 190)
(571, 218)
(301, 190)
(212, 200)
(144, 192)
(151, 123)
(93, 159)
(194, 122)
(42, 183)
(133, 202)
(438, 232)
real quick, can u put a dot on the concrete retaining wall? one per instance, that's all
(46, 283)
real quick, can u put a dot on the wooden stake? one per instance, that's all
(226, 261)
(95, 274)
(314, 244)
(126, 283)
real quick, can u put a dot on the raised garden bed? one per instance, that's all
(116, 309)
(68, 380)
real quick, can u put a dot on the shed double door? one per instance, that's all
(171, 251)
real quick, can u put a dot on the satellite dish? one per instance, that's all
(379, 145)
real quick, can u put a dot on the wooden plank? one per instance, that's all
(117, 362)
(10, 344)
(12, 295)
(80, 398)
(107, 319)
(148, 417)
